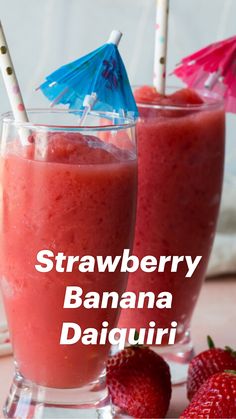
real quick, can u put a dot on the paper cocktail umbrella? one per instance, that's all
(212, 68)
(98, 80)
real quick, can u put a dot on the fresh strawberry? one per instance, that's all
(208, 363)
(139, 382)
(216, 398)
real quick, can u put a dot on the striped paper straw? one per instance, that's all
(160, 53)
(11, 84)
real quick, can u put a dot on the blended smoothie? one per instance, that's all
(180, 163)
(78, 197)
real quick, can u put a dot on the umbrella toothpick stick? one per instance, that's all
(212, 79)
(12, 86)
(160, 53)
(88, 103)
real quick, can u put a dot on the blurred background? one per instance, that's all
(43, 35)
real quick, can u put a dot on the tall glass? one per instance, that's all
(180, 163)
(72, 190)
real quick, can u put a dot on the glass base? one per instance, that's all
(178, 357)
(29, 400)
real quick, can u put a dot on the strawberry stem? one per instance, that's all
(230, 350)
(210, 342)
(136, 336)
(230, 372)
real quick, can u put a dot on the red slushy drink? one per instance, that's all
(69, 193)
(180, 160)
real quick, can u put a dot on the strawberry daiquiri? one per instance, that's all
(180, 163)
(68, 192)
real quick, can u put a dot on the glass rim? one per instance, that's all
(126, 122)
(215, 101)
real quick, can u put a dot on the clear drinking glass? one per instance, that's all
(180, 164)
(69, 189)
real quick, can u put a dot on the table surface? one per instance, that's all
(215, 314)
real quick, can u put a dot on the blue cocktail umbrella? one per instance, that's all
(98, 80)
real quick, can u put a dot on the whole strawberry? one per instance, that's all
(216, 398)
(208, 363)
(139, 382)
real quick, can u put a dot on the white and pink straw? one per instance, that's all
(160, 52)
(12, 85)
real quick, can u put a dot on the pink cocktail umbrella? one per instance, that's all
(212, 68)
